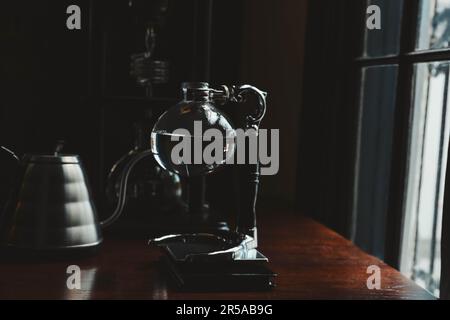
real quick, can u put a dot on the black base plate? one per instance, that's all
(224, 276)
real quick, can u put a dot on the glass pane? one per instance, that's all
(425, 185)
(387, 40)
(433, 24)
(377, 108)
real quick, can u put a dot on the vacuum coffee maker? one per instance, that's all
(52, 196)
(224, 258)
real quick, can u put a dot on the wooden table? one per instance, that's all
(312, 262)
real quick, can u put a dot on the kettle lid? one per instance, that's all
(52, 158)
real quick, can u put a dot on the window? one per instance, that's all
(403, 136)
(426, 174)
(433, 31)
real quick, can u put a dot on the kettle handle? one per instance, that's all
(10, 152)
(123, 182)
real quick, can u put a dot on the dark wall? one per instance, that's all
(45, 75)
(57, 81)
(272, 59)
(75, 85)
(328, 120)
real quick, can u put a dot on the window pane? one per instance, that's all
(433, 24)
(387, 40)
(377, 108)
(425, 185)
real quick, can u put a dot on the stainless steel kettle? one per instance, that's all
(50, 207)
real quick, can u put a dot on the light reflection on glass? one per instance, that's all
(433, 31)
(425, 182)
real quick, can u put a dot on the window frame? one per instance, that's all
(407, 57)
(328, 131)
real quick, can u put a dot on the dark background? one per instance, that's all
(75, 84)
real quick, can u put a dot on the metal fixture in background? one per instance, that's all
(153, 195)
(147, 69)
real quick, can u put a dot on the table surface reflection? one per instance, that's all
(312, 262)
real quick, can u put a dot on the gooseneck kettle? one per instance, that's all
(49, 206)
